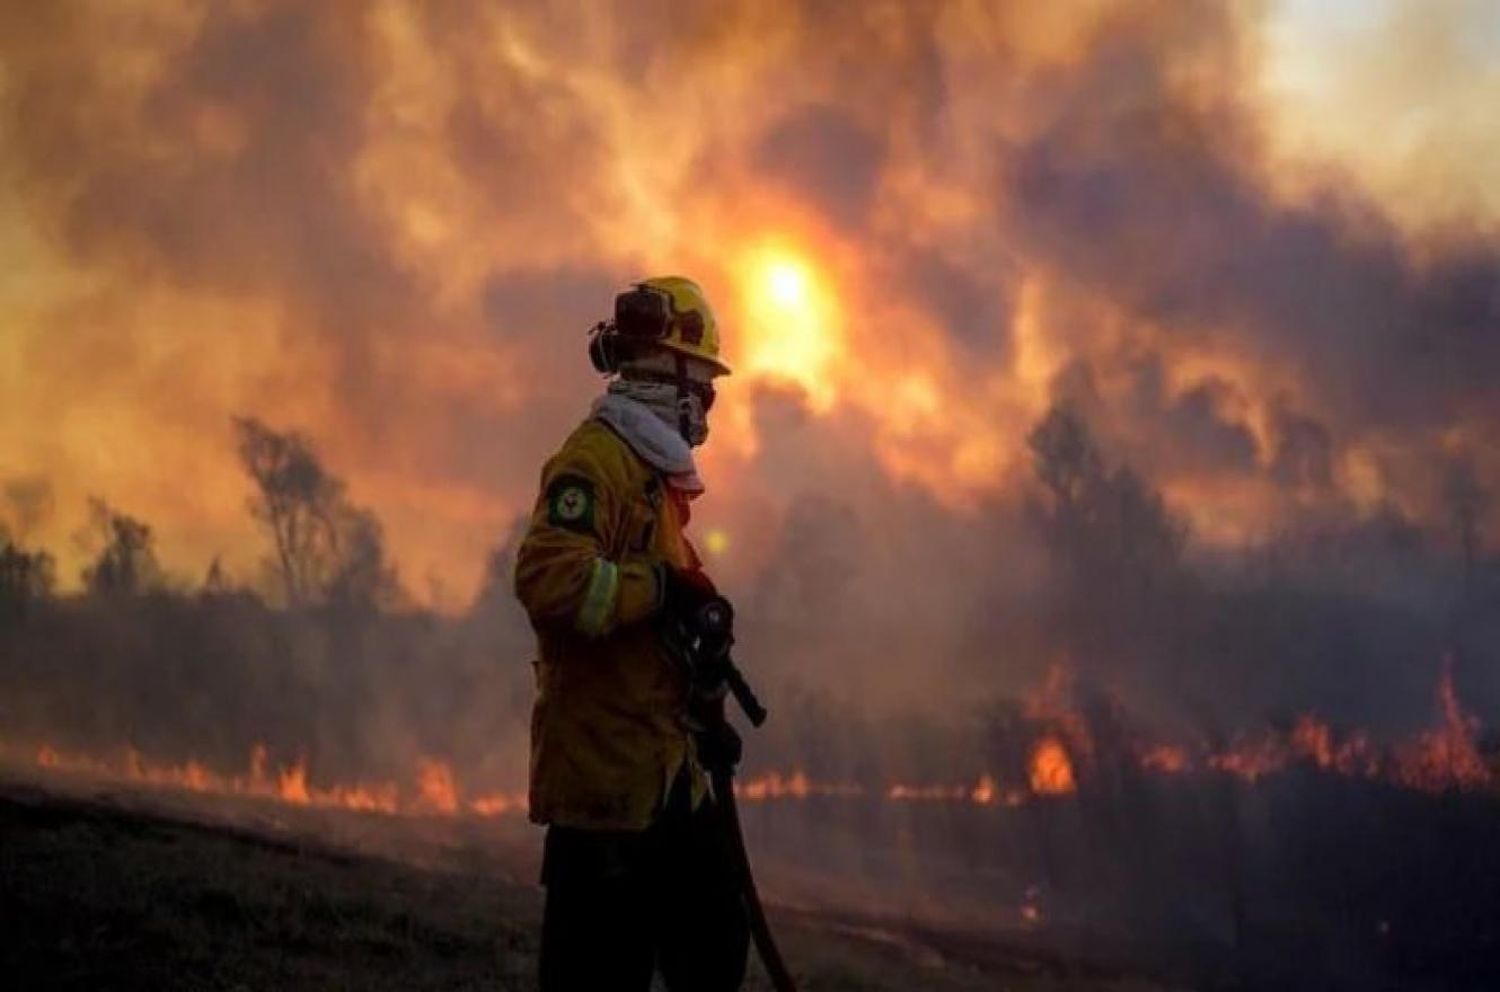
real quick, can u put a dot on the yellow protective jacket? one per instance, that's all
(608, 729)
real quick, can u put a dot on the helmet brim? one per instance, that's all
(719, 368)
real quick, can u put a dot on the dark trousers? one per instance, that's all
(622, 903)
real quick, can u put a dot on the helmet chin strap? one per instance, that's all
(684, 402)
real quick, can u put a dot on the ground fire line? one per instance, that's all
(1443, 758)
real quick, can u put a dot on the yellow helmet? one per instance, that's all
(686, 323)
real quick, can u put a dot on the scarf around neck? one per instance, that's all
(650, 437)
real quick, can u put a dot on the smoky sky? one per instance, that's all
(390, 225)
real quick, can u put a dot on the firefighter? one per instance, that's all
(636, 873)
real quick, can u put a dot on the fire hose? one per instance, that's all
(705, 650)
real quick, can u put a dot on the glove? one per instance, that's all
(719, 745)
(683, 593)
(700, 624)
(690, 602)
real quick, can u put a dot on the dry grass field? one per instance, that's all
(104, 892)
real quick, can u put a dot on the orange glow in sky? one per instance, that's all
(791, 329)
(925, 223)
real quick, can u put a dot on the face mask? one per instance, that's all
(662, 382)
(692, 417)
(683, 413)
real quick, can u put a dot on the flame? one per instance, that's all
(1051, 769)
(902, 792)
(1031, 913)
(437, 790)
(1164, 759)
(1313, 738)
(773, 786)
(1447, 757)
(1051, 705)
(985, 791)
(1251, 760)
(498, 804)
(797, 785)
(1444, 758)
(292, 784)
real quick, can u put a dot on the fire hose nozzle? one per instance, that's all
(714, 629)
(745, 697)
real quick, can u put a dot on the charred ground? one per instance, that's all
(117, 893)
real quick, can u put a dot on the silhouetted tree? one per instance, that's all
(1466, 500)
(295, 500)
(326, 549)
(816, 554)
(361, 578)
(24, 503)
(214, 582)
(1106, 526)
(25, 575)
(1065, 458)
(1144, 536)
(126, 561)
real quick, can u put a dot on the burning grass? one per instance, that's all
(434, 791)
(1445, 757)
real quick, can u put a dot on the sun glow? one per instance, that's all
(791, 315)
(787, 282)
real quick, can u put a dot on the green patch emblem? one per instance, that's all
(570, 503)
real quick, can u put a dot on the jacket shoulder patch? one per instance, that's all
(570, 503)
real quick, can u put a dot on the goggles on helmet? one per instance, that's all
(645, 313)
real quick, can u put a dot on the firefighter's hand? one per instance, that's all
(683, 591)
(719, 745)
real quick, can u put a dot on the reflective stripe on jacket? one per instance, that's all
(608, 729)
